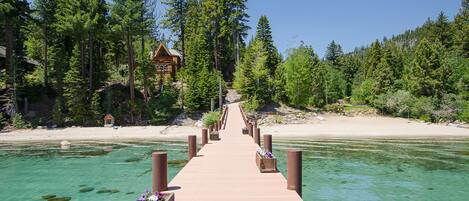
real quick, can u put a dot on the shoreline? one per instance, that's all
(332, 127)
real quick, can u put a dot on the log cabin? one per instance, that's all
(167, 62)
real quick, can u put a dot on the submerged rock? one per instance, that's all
(60, 199)
(46, 197)
(105, 190)
(131, 160)
(86, 189)
(94, 153)
(177, 162)
(129, 193)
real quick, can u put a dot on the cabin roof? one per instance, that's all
(170, 52)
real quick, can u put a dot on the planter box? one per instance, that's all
(214, 136)
(168, 196)
(245, 131)
(266, 165)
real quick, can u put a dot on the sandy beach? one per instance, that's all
(330, 127)
(100, 133)
(365, 127)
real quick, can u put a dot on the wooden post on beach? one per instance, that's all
(257, 136)
(294, 175)
(268, 143)
(204, 136)
(192, 141)
(159, 171)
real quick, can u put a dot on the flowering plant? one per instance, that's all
(265, 154)
(149, 196)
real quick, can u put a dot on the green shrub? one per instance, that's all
(423, 108)
(18, 121)
(162, 107)
(210, 118)
(252, 104)
(451, 106)
(399, 103)
(464, 116)
(364, 94)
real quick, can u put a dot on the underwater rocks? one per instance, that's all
(55, 198)
(86, 189)
(99, 152)
(110, 191)
(178, 163)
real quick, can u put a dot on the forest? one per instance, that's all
(70, 62)
(92, 57)
(422, 73)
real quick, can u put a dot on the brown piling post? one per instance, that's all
(250, 128)
(268, 143)
(294, 175)
(204, 136)
(192, 141)
(257, 136)
(159, 171)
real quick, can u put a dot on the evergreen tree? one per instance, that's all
(75, 90)
(373, 57)
(441, 31)
(389, 68)
(175, 19)
(427, 71)
(461, 29)
(252, 78)
(96, 109)
(264, 34)
(333, 53)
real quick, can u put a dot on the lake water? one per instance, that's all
(334, 169)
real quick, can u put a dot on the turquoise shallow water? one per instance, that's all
(333, 169)
(30, 171)
(382, 169)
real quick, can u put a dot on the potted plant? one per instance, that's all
(158, 196)
(266, 161)
(214, 135)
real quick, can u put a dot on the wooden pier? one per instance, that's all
(226, 170)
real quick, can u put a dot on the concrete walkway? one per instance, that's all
(226, 170)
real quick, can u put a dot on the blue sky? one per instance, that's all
(352, 23)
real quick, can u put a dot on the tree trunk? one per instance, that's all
(90, 71)
(143, 62)
(46, 58)
(9, 51)
(131, 74)
(82, 55)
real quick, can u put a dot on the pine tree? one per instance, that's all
(441, 31)
(75, 90)
(96, 109)
(252, 78)
(175, 19)
(333, 53)
(427, 71)
(389, 68)
(264, 34)
(373, 57)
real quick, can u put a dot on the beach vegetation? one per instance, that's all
(210, 118)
